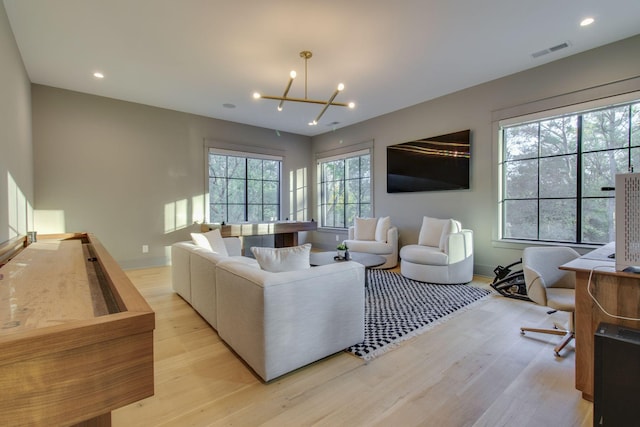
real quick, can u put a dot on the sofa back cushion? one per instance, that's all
(434, 231)
(365, 228)
(277, 260)
(211, 240)
(382, 228)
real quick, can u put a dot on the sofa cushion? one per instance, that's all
(365, 228)
(278, 260)
(211, 240)
(426, 255)
(382, 228)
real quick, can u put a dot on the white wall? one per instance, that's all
(577, 78)
(134, 174)
(16, 153)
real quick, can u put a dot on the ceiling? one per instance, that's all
(205, 56)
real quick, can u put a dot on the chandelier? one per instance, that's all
(306, 55)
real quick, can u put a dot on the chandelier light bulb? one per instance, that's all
(340, 86)
(292, 74)
(256, 95)
(352, 105)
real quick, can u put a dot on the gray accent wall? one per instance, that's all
(16, 151)
(606, 71)
(133, 174)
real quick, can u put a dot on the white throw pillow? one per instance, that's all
(277, 260)
(382, 228)
(451, 226)
(365, 228)
(211, 240)
(431, 231)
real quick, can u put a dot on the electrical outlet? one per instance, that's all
(145, 249)
(337, 237)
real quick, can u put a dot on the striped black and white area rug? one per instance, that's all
(397, 308)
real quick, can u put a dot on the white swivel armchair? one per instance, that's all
(444, 253)
(375, 236)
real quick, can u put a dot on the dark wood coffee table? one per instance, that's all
(368, 260)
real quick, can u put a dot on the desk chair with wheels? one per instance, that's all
(549, 286)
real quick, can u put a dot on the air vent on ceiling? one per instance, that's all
(555, 48)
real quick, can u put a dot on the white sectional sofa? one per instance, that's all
(276, 322)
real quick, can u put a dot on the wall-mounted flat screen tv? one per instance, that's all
(430, 164)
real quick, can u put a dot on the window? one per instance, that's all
(243, 187)
(344, 189)
(553, 172)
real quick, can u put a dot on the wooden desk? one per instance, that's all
(285, 232)
(617, 292)
(76, 337)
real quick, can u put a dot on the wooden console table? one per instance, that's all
(617, 292)
(76, 337)
(285, 232)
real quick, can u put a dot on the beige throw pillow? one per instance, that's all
(365, 228)
(277, 260)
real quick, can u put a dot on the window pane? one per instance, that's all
(217, 165)
(605, 129)
(271, 170)
(254, 169)
(217, 190)
(352, 194)
(635, 125)
(254, 189)
(270, 212)
(236, 191)
(521, 219)
(365, 191)
(521, 179)
(558, 220)
(217, 213)
(270, 192)
(558, 176)
(236, 167)
(598, 220)
(254, 213)
(521, 141)
(599, 170)
(559, 136)
(236, 213)
(365, 210)
(353, 167)
(635, 159)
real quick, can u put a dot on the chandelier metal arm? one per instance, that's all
(329, 102)
(311, 101)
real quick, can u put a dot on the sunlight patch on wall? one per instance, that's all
(49, 221)
(20, 210)
(175, 215)
(298, 191)
(198, 209)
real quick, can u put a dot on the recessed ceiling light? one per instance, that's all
(586, 21)
(98, 75)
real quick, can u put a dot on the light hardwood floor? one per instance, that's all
(473, 370)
